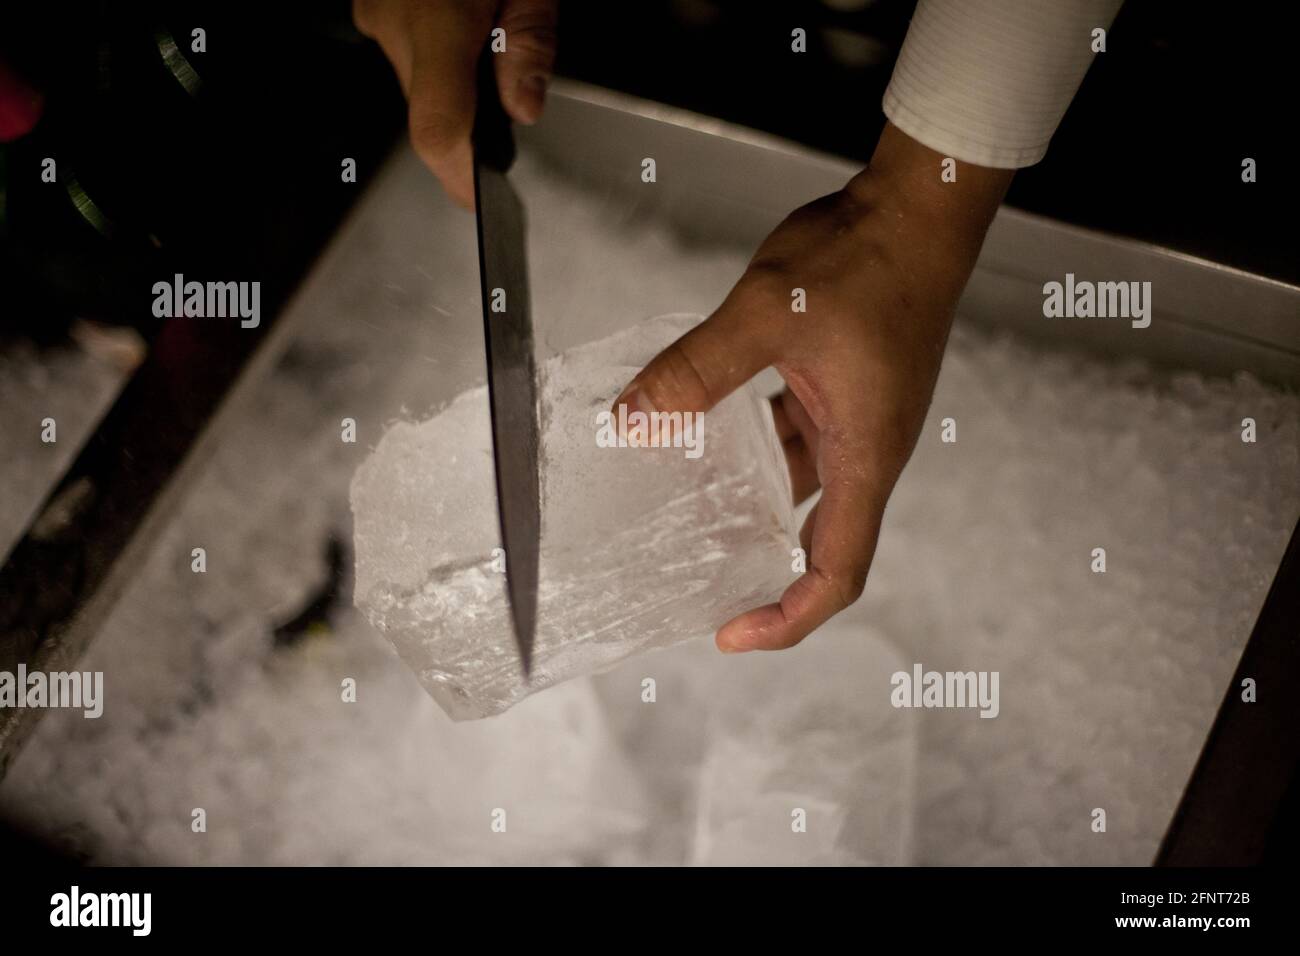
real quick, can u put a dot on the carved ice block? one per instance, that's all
(641, 547)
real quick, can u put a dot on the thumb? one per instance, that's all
(706, 364)
(524, 68)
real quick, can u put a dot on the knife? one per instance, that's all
(511, 371)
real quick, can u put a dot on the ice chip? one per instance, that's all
(641, 547)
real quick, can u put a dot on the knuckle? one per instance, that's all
(531, 28)
(435, 133)
(846, 586)
(675, 383)
(529, 51)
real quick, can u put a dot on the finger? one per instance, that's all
(446, 42)
(799, 443)
(844, 534)
(524, 68)
(798, 417)
(785, 429)
(806, 532)
(802, 466)
(708, 363)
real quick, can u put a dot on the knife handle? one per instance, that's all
(494, 143)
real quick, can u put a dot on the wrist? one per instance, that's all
(905, 181)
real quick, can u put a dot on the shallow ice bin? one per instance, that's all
(641, 547)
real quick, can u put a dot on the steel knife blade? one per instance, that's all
(511, 367)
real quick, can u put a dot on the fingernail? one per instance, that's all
(636, 400)
(530, 94)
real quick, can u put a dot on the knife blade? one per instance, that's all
(508, 334)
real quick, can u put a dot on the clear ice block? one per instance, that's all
(641, 547)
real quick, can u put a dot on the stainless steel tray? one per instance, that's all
(718, 185)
